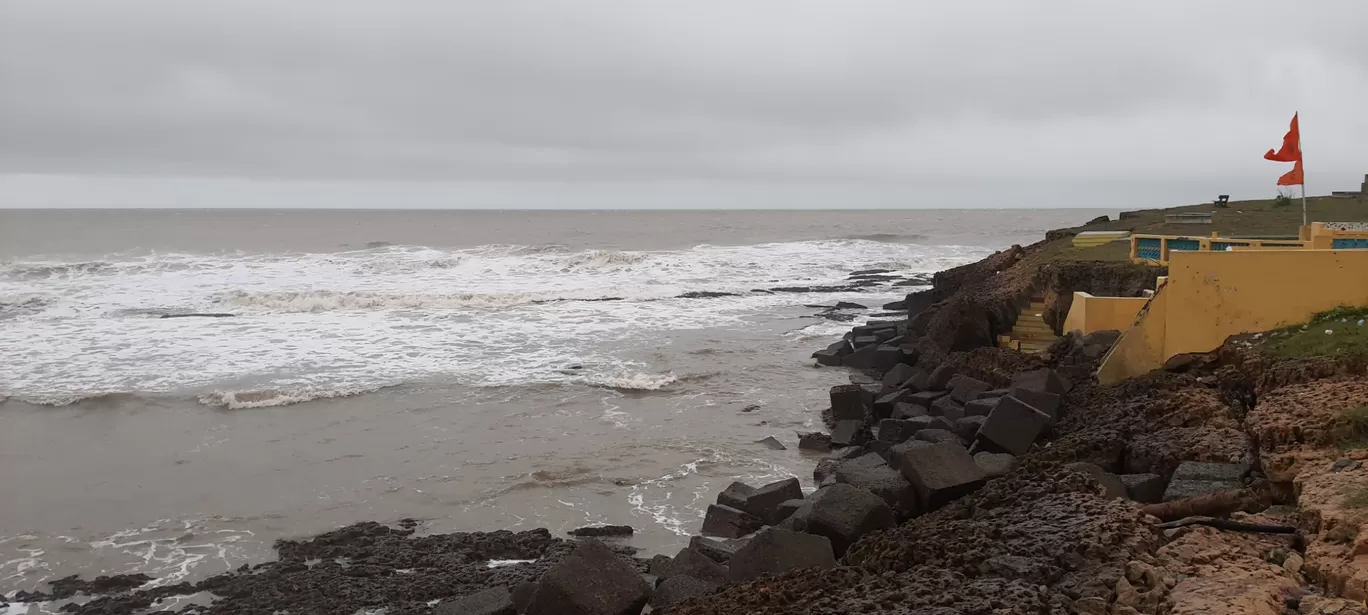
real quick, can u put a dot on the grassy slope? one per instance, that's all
(1241, 218)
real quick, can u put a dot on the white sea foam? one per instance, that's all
(326, 324)
(237, 400)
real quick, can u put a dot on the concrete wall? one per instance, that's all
(1210, 296)
(1141, 347)
(1088, 313)
(1217, 295)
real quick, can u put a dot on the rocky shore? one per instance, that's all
(954, 477)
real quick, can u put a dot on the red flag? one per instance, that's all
(1293, 177)
(1291, 145)
(1289, 152)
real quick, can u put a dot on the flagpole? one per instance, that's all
(1302, 155)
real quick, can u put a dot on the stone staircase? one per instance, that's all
(1030, 333)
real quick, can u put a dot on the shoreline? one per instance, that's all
(1037, 535)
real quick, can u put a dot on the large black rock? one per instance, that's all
(492, 601)
(678, 589)
(693, 563)
(832, 355)
(1012, 426)
(735, 495)
(775, 550)
(941, 473)
(1044, 380)
(843, 513)
(729, 522)
(884, 482)
(847, 402)
(764, 502)
(590, 581)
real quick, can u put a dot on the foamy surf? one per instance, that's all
(240, 400)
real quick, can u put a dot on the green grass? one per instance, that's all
(1260, 218)
(1346, 338)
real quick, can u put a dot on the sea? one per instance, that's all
(473, 370)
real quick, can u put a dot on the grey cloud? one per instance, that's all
(589, 90)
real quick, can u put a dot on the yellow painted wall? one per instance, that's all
(1217, 294)
(1088, 313)
(1210, 296)
(1140, 348)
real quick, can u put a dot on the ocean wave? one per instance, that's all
(57, 400)
(39, 270)
(632, 382)
(14, 306)
(269, 398)
(595, 259)
(888, 237)
(327, 300)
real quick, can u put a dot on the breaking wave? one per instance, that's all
(99, 398)
(328, 301)
(595, 259)
(888, 237)
(632, 382)
(240, 400)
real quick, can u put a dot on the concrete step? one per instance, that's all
(1033, 346)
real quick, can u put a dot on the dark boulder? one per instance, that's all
(940, 377)
(522, 595)
(895, 454)
(492, 601)
(693, 563)
(897, 375)
(925, 398)
(941, 473)
(936, 436)
(847, 403)
(995, 464)
(843, 513)
(832, 355)
(787, 508)
(862, 358)
(776, 550)
(906, 411)
(592, 580)
(729, 522)
(678, 589)
(883, 406)
(895, 431)
(981, 407)
(1194, 478)
(849, 433)
(1044, 380)
(717, 550)
(735, 495)
(992, 393)
(920, 381)
(1144, 488)
(1040, 400)
(863, 341)
(764, 502)
(772, 443)
(886, 357)
(814, 441)
(964, 388)
(967, 427)
(948, 408)
(884, 482)
(1012, 426)
(602, 530)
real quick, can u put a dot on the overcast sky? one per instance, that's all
(715, 103)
